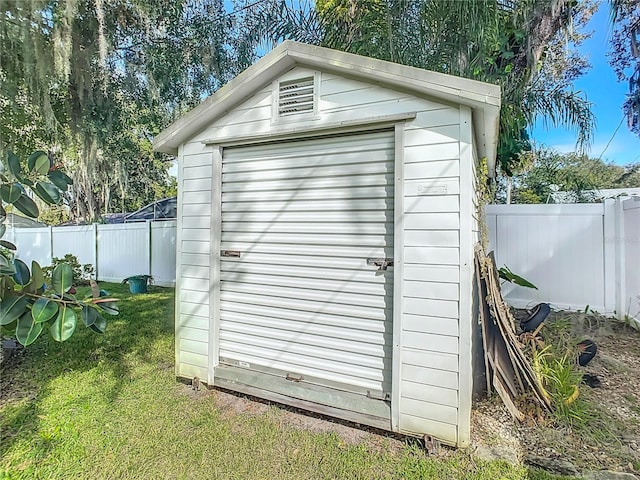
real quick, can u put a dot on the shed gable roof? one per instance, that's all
(482, 98)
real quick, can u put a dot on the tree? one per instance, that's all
(27, 306)
(575, 174)
(624, 56)
(96, 80)
(504, 42)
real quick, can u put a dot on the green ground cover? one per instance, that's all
(109, 407)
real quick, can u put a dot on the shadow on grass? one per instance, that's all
(141, 334)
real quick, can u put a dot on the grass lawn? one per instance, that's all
(108, 406)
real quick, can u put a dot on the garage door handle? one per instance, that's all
(381, 263)
(230, 253)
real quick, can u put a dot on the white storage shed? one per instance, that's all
(326, 230)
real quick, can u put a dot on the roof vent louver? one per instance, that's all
(296, 96)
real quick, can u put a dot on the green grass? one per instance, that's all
(109, 407)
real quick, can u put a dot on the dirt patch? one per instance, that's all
(612, 440)
(288, 417)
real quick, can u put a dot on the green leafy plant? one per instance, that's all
(81, 273)
(27, 306)
(554, 361)
(506, 274)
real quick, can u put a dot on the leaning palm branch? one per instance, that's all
(561, 107)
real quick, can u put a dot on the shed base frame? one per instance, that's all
(315, 398)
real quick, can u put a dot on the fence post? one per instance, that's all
(621, 293)
(50, 244)
(149, 235)
(96, 249)
(610, 241)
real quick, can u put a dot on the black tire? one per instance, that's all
(588, 350)
(538, 314)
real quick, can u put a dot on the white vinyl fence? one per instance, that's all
(578, 255)
(116, 251)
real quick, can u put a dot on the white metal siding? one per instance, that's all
(193, 272)
(340, 99)
(430, 348)
(301, 299)
(427, 232)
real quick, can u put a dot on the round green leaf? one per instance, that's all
(38, 162)
(48, 192)
(110, 308)
(62, 278)
(6, 265)
(64, 326)
(3, 229)
(43, 309)
(3, 213)
(37, 276)
(60, 179)
(10, 192)
(14, 164)
(89, 315)
(22, 275)
(27, 330)
(11, 308)
(8, 245)
(27, 206)
(100, 324)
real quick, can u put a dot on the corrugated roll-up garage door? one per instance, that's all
(300, 220)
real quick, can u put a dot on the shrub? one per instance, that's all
(81, 273)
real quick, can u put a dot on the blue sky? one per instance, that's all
(607, 95)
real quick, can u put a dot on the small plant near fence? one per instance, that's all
(81, 273)
(554, 357)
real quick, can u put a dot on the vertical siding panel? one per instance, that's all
(398, 253)
(179, 225)
(467, 186)
(163, 252)
(216, 229)
(33, 244)
(193, 304)
(432, 183)
(630, 296)
(135, 257)
(77, 240)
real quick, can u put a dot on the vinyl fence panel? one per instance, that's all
(32, 243)
(78, 240)
(124, 250)
(559, 248)
(631, 297)
(578, 255)
(115, 251)
(163, 252)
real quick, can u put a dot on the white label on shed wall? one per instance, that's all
(433, 189)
